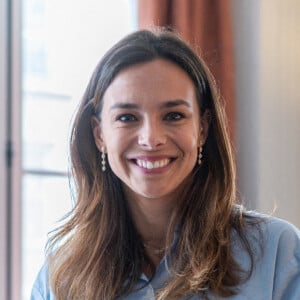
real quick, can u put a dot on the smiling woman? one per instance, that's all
(156, 136)
(156, 215)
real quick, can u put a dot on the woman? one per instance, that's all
(156, 215)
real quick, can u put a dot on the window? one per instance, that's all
(62, 41)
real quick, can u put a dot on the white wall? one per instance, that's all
(279, 114)
(268, 104)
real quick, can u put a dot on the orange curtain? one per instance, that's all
(205, 25)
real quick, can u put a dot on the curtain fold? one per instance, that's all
(206, 26)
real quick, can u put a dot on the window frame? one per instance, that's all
(3, 140)
(10, 161)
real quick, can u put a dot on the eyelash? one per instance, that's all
(126, 118)
(172, 116)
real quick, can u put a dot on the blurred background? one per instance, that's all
(48, 50)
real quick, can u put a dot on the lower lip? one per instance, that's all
(154, 170)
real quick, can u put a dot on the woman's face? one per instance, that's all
(150, 128)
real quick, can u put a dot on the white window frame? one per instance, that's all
(3, 129)
(10, 141)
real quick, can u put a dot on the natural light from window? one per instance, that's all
(62, 41)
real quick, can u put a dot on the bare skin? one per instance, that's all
(152, 220)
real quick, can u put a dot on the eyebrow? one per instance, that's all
(167, 104)
(177, 102)
(124, 106)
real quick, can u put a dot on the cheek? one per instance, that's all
(115, 148)
(189, 148)
(189, 142)
(190, 145)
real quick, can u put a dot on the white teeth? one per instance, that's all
(152, 165)
(149, 165)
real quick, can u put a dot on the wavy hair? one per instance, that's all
(97, 253)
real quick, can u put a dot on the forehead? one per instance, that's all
(157, 80)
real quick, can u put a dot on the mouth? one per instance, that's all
(150, 165)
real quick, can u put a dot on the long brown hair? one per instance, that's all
(97, 253)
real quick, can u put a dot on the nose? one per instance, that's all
(151, 134)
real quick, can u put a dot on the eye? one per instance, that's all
(174, 116)
(126, 118)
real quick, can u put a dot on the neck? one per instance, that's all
(152, 218)
(152, 221)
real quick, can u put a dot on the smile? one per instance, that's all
(153, 164)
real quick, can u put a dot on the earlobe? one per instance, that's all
(95, 123)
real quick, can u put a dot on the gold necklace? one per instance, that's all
(154, 250)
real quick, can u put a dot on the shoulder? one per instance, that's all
(278, 238)
(41, 289)
(274, 230)
(282, 243)
(277, 265)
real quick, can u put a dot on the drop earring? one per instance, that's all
(200, 148)
(200, 155)
(103, 162)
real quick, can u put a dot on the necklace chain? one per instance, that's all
(156, 251)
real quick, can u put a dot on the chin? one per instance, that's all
(157, 196)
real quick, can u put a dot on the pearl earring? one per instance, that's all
(200, 155)
(103, 162)
(200, 149)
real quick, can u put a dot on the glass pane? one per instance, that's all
(45, 127)
(60, 49)
(46, 200)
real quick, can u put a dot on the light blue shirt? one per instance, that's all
(276, 274)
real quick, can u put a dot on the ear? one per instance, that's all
(205, 120)
(97, 133)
